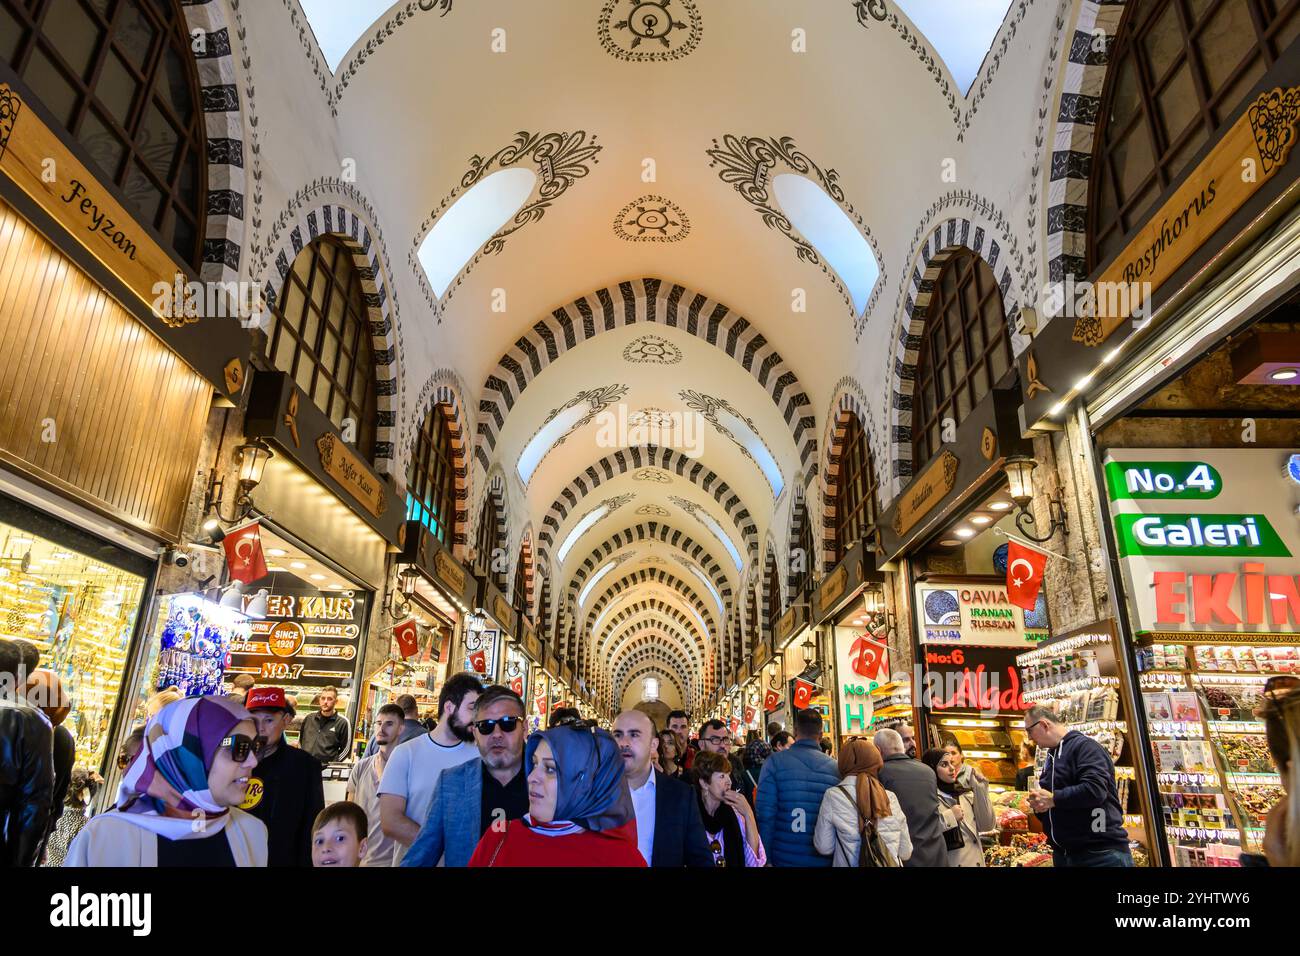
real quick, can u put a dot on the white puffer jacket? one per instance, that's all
(838, 833)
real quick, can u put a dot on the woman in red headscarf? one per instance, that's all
(580, 809)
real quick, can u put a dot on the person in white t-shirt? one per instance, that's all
(406, 790)
(363, 784)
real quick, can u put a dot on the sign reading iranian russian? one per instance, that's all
(1208, 538)
(977, 611)
(309, 638)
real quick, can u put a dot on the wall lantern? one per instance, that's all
(251, 459)
(1020, 471)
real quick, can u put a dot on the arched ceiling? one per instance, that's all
(651, 278)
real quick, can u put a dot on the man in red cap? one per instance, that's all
(285, 791)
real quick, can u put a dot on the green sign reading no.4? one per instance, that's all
(1171, 480)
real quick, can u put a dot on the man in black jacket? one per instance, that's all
(286, 791)
(1076, 799)
(326, 735)
(917, 789)
(669, 830)
(26, 766)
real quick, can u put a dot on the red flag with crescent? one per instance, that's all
(803, 692)
(771, 700)
(749, 715)
(478, 661)
(735, 725)
(408, 637)
(867, 657)
(244, 555)
(1024, 574)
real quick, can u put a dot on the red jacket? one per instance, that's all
(521, 845)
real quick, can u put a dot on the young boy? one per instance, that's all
(338, 835)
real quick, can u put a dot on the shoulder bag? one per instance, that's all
(872, 851)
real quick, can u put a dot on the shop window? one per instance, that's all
(965, 350)
(855, 496)
(320, 337)
(1178, 69)
(119, 76)
(431, 480)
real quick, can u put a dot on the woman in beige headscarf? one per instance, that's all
(860, 797)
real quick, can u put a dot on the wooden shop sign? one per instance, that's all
(353, 475)
(532, 646)
(922, 495)
(1248, 156)
(450, 572)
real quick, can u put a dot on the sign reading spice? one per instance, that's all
(342, 464)
(309, 638)
(927, 491)
(1249, 155)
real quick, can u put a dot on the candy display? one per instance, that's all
(1244, 753)
(1256, 800)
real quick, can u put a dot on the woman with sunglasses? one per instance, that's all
(580, 809)
(729, 823)
(178, 804)
(1280, 710)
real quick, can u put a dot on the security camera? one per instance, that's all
(176, 558)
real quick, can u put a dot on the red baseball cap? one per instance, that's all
(268, 698)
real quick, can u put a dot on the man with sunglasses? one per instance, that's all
(479, 794)
(1076, 798)
(285, 791)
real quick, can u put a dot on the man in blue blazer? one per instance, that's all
(668, 826)
(484, 792)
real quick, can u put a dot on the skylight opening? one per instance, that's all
(708, 584)
(338, 26)
(757, 449)
(582, 598)
(471, 221)
(712, 524)
(961, 33)
(704, 628)
(823, 223)
(546, 437)
(581, 528)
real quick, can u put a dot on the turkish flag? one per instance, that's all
(478, 661)
(1024, 574)
(517, 685)
(867, 657)
(244, 555)
(735, 725)
(771, 700)
(408, 637)
(803, 692)
(749, 715)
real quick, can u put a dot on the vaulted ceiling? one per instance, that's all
(652, 277)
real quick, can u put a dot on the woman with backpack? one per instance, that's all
(860, 802)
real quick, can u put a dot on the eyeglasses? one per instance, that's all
(1030, 728)
(507, 725)
(241, 745)
(714, 741)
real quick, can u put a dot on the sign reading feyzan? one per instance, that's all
(1208, 538)
(308, 638)
(976, 611)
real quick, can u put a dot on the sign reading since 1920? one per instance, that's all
(308, 638)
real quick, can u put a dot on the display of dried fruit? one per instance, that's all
(1029, 841)
(1256, 800)
(1244, 753)
(1001, 855)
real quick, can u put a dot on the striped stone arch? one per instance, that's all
(650, 614)
(660, 640)
(223, 126)
(496, 493)
(634, 459)
(848, 403)
(651, 302)
(799, 518)
(650, 531)
(769, 562)
(647, 576)
(1077, 110)
(310, 222)
(447, 396)
(687, 696)
(644, 655)
(937, 248)
(526, 556)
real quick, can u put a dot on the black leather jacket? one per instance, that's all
(26, 782)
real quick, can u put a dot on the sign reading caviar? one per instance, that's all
(309, 638)
(977, 611)
(1208, 539)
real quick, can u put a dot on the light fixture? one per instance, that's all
(1267, 357)
(999, 506)
(233, 595)
(980, 519)
(809, 650)
(317, 577)
(1285, 374)
(257, 606)
(251, 459)
(965, 532)
(276, 552)
(1020, 471)
(950, 542)
(298, 565)
(477, 622)
(878, 612)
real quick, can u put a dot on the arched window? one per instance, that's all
(772, 604)
(965, 349)
(751, 633)
(320, 337)
(801, 574)
(486, 542)
(523, 571)
(120, 76)
(855, 489)
(1178, 68)
(431, 481)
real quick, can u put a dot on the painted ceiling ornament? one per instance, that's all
(596, 399)
(652, 219)
(869, 10)
(651, 418)
(654, 511)
(747, 163)
(652, 350)
(647, 31)
(652, 474)
(559, 159)
(1031, 372)
(709, 406)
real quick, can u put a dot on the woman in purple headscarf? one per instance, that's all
(179, 800)
(579, 806)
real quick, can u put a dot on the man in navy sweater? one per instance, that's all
(1076, 798)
